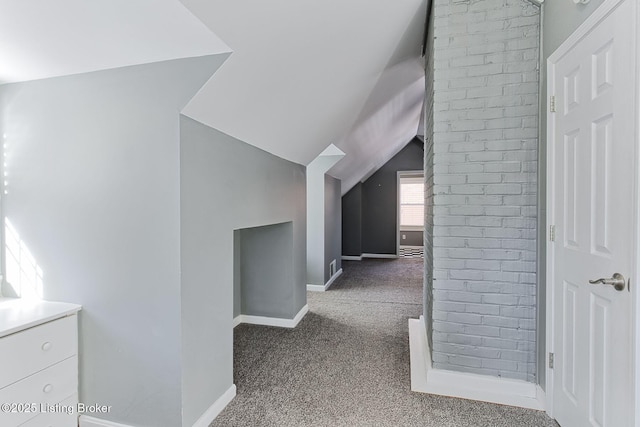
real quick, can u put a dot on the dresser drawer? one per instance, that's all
(36, 348)
(49, 386)
(62, 415)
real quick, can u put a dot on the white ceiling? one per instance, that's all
(44, 38)
(303, 74)
(303, 70)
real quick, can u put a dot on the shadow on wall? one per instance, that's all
(263, 270)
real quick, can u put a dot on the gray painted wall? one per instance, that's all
(352, 221)
(560, 20)
(380, 200)
(332, 224)
(227, 185)
(411, 238)
(379, 204)
(94, 195)
(316, 218)
(266, 270)
(485, 130)
(237, 273)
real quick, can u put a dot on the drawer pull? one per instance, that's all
(46, 346)
(47, 388)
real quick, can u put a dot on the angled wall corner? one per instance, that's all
(228, 185)
(317, 188)
(95, 196)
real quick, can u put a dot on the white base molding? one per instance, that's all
(271, 321)
(217, 407)
(86, 421)
(321, 288)
(359, 258)
(426, 379)
(381, 256)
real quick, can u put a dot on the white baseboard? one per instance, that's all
(426, 379)
(273, 321)
(541, 395)
(381, 256)
(411, 247)
(86, 421)
(237, 320)
(322, 288)
(359, 258)
(217, 407)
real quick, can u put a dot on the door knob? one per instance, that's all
(617, 281)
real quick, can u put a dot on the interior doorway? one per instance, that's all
(410, 226)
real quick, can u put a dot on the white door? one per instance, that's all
(592, 205)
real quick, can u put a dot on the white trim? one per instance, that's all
(541, 396)
(381, 256)
(322, 288)
(412, 228)
(420, 359)
(549, 334)
(399, 229)
(217, 407)
(411, 247)
(635, 303)
(376, 256)
(87, 421)
(274, 321)
(426, 379)
(237, 320)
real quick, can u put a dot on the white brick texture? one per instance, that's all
(480, 162)
(429, 184)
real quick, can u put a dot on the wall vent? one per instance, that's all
(332, 268)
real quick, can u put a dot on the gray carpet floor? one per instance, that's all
(347, 362)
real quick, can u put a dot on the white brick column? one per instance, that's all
(482, 155)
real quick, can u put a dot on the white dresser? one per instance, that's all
(38, 363)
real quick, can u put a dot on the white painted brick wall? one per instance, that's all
(482, 143)
(429, 185)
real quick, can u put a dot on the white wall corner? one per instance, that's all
(237, 320)
(426, 379)
(326, 286)
(217, 407)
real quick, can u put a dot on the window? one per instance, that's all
(411, 202)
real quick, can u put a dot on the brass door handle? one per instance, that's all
(617, 281)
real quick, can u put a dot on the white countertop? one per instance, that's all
(17, 314)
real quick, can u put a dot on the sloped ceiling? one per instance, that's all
(43, 38)
(303, 74)
(308, 73)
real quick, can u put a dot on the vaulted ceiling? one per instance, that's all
(303, 74)
(42, 38)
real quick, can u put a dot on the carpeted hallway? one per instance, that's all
(347, 362)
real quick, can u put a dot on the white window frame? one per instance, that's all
(400, 175)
